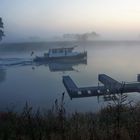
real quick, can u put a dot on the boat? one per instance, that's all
(61, 54)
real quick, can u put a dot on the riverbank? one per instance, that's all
(118, 121)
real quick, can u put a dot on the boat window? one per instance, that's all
(61, 50)
(54, 51)
(50, 50)
(69, 50)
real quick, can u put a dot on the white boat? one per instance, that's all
(66, 54)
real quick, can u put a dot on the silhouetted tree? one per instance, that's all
(1, 27)
(81, 37)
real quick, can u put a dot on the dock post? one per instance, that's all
(138, 77)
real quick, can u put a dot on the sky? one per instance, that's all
(112, 19)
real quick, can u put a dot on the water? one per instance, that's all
(40, 85)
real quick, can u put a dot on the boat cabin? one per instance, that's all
(59, 52)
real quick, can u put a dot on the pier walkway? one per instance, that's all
(110, 86)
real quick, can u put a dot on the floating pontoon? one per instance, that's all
(111, 86)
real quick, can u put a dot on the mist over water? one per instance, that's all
(40, 84)
(46, 20)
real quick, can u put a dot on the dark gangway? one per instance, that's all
(108, 81)
(110, 86)
(69, 84)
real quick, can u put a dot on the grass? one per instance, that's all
(118, 121)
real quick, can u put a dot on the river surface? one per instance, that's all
(22, 81)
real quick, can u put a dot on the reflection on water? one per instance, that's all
(41, 84)
(55, 66)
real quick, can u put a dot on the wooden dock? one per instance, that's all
(111, 86)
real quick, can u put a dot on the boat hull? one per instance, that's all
(77, 57)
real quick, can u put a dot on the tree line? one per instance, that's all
(1, 29)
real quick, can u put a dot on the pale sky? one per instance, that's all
(113, 19)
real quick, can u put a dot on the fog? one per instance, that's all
(43, 20)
